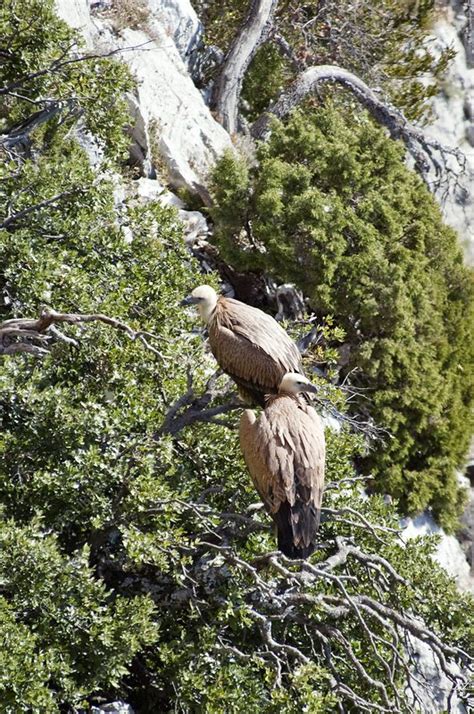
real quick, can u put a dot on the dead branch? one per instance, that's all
(428, 154)
(191, 408)
(297, 618)
(276, 601)
(286, 50)
(58, 64)
(34, 336)
(228, 85)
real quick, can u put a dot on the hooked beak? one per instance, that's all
(189, 300)
(310, 388)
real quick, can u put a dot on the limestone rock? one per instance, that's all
(449, 553)
(431, 693)
(453, 127)
(195, 224)
(179, 20)
(171, 118)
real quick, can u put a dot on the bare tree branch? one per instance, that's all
(26, 335)
(297, 619)
(60, 63)
(191, 408)
(286, 50)
(228, 85)
(420, 147)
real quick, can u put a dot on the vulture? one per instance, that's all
(249, 345)
(284, 450)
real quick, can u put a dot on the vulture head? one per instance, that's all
(294, 383)
(205, 298)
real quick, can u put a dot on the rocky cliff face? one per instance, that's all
(453, 125)
(173, 127)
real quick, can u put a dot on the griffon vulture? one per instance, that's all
(284, 450)
(249, 345)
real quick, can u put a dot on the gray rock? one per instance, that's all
(470, 134)
(179, 20)
(449, 553)
(170, 113)
(466, 533)
(468, 106)
(91, 145)
(118, 707)
(195, 224)
(431, 690)
(454, 111)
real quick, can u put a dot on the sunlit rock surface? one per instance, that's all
(453, 126)
(173, 126)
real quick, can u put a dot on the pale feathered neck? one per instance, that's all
(207, 307)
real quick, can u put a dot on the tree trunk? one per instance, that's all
(228, 85)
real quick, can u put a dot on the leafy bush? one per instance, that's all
(40, 70)
(133, 561)
(333, 208)
(73, 637)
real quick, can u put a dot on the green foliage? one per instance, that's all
(268, 75)
(40, 68)
(75, 635)
(334, 209)
(131, 561)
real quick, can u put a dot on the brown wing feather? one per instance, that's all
(251, 347)
(297, 452)
(285, 453)
(250, 432)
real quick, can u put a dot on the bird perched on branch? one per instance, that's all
(284, 450)
(249, 345)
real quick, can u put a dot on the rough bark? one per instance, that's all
(228, 85)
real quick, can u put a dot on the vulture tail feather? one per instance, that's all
(296, 529)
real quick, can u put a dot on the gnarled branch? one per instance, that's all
(191, 408)
(34, 336)
(228, 85)
(418, 145)
(428, 154)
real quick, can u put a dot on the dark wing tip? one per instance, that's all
(293, 533)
